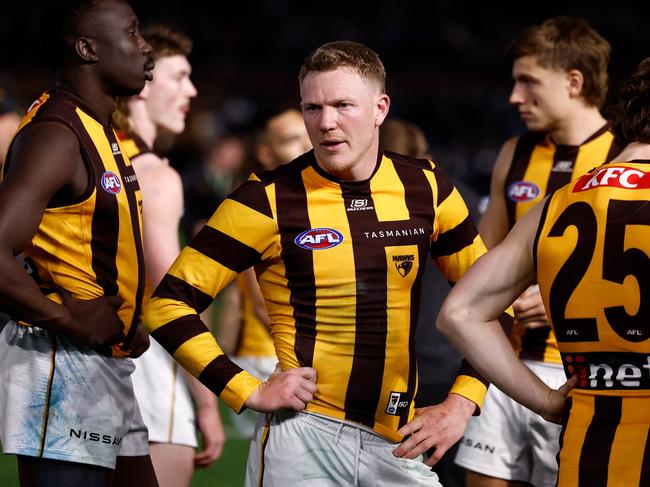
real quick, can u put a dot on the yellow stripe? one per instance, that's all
(539, 167)
(265, 435)
(470, 388)
(201, 272)
(626, 456)
(391, 206)
(164, 310)
(582, 412)
(197, 352)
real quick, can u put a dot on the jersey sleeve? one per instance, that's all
(240, 234)
(456, 245)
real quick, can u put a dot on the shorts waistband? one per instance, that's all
(335, 427)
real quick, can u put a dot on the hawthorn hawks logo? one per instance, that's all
(403, 263)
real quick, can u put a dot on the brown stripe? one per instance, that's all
(599, 438)
(507, 322)
(557, 179)
(614, 150)
(366, 375)
(418, 197)
(265, 440)
(468, 369)
(538, 232)
(456, 239)
(520, 161)
(293, 218)
(130, 185)
(218, 373)
(172, 287)
(252, 194)
(565, 420)
(445, 186)
(224, 249)
(173, 334)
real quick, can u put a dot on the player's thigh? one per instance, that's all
(134, 472)
(174, 464)
(475, 479)
(42, 472)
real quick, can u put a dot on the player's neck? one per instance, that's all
(578, 126)
(86, 89)
(141, 122)
(634, 150)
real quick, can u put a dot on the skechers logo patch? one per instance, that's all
(111, 182)
(115, 148)
(397, 403)
(403, 263)
(318, 239)
(521, 191)
(359, 205)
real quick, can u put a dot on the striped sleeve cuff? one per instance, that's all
(238, 389)
(470, 388)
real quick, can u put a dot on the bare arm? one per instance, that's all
(493, 226)
(489, 286)
(45, 161)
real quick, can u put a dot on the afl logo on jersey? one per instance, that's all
(111, 182)
(318, 239)
(522, 191)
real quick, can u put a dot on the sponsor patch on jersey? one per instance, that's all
(111, 182)
(613, 176)
(521, 191)
(609, 370)
(318, 239)
(115, 148)
(360, 204)
(398, 402)
(403, 263)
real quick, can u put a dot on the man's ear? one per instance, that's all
(383, 104)
(576, 82)
(86, 49)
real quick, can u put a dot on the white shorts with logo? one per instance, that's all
(63, 401)
(164, 397)
(509, 441)
(303, 449)
(262, 368)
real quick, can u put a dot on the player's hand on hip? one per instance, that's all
(94, 321)
(291, 389)
(435, 427)
(556, 400)
(139, 343)
(529, 308)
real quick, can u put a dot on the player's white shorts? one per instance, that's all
(262, 368)
(509, 441)
(302, 449)
(62, 400)
(164, 397)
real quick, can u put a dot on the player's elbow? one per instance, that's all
(451, 317)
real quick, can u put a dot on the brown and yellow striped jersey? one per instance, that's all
(340, 266)
(91, 246)
(539, 167)
(254, 338)
(593, 267)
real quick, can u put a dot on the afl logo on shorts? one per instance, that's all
(318, 239)
(522, 191)
(111, 182)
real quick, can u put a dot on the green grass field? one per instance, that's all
(227, 472)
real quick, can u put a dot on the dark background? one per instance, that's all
(444, 60)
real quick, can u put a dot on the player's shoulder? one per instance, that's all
(285, 171)
(409, 162)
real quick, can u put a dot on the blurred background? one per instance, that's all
(446, 73)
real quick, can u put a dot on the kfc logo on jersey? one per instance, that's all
(614, 176)
(111, 182)
(403, 263)
(522, 191)
(359, 205)
(318, 239)
(398, 402)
